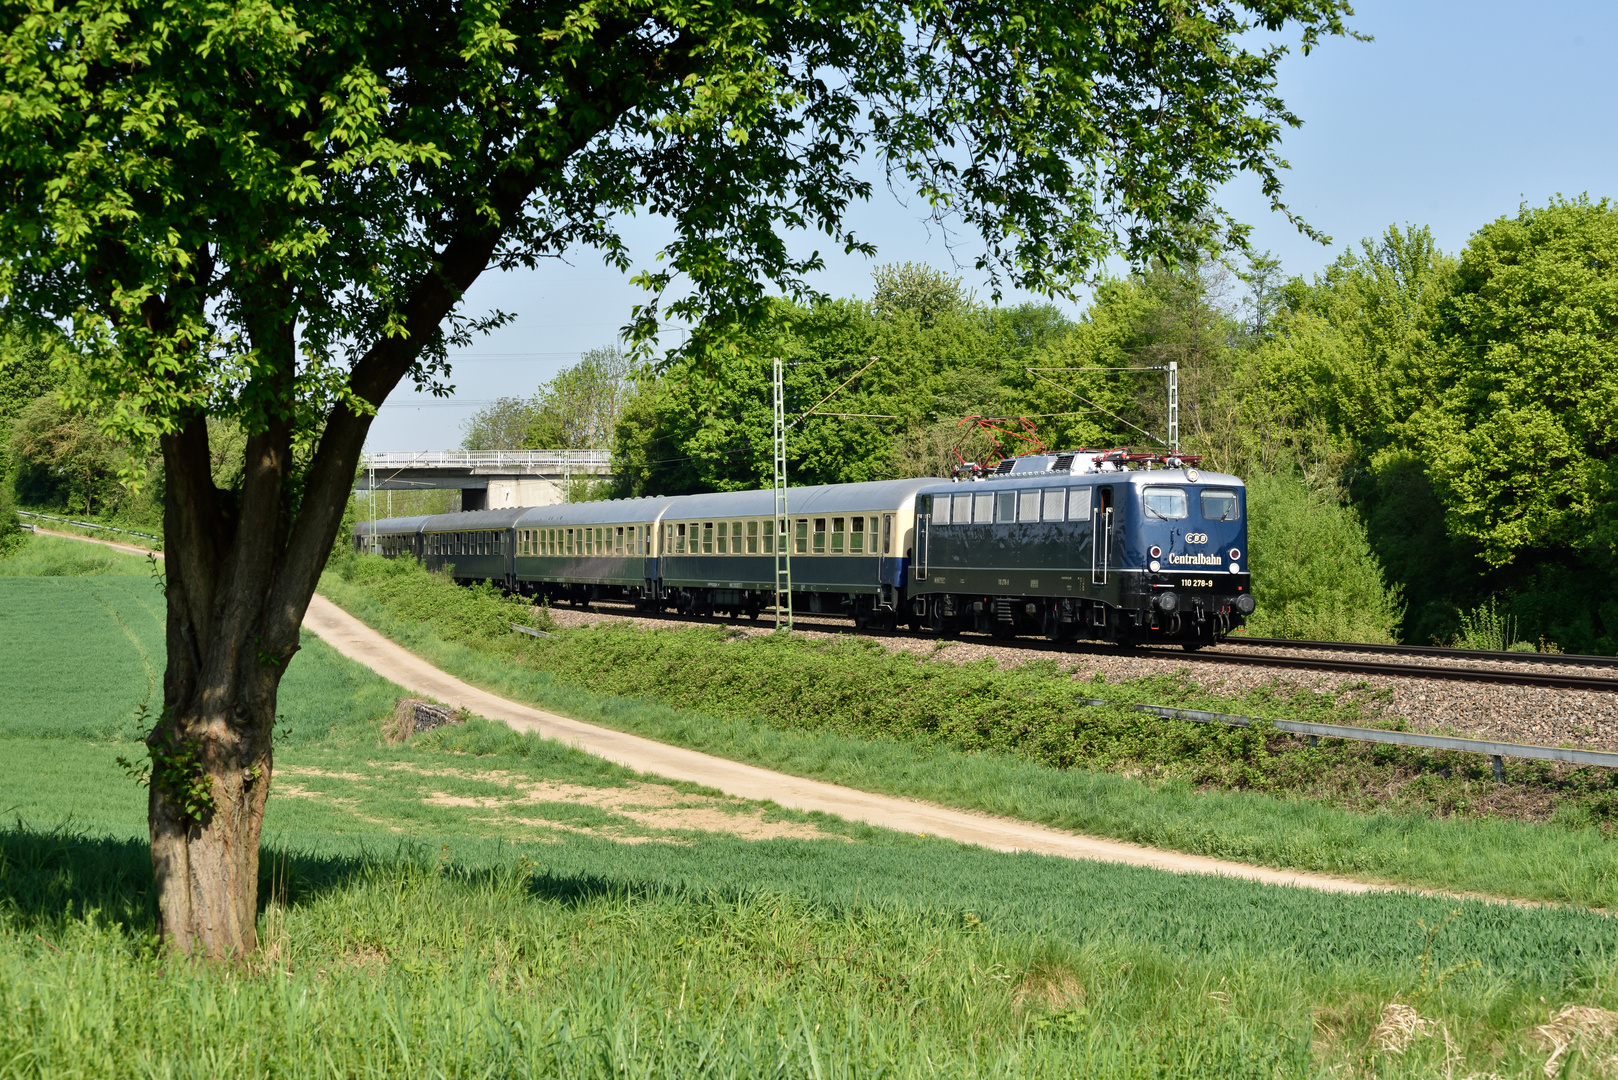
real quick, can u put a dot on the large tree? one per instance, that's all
(270, 211)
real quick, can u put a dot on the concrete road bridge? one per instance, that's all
(487, 479)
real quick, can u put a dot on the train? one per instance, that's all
(1099, 545)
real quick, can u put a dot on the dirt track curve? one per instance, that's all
(360, 643)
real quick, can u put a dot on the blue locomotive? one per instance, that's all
(1101, 545)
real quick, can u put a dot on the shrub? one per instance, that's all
(1314, 574)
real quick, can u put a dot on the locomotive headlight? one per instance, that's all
(1167, 601)
(1155, 565)
(1245, 604)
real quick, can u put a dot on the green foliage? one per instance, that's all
(1523, 438)
(1314, 573)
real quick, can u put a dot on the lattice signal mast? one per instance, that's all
(783, 552)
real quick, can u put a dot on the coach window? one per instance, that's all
(887, 533)
(1164, 502)
(1028, 505)
(1055, 506)
(1005, 507)
(819, 546)
(618, 540)
(707, 538)
(752, 538)
(838, 527)
(982, 508)
(856, 536)
(1220, 505)
(722, 538)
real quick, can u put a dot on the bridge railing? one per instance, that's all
(544, 460)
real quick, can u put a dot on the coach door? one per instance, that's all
(1101, 536)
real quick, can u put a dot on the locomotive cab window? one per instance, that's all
(1164, 502)
(1005, 507)
(1028, 505)
(1218, 505)
(1055, 507)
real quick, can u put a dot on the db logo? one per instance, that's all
(1196, 538)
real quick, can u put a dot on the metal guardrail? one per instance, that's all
(89, 525)
(582, 460)
(1494, 750)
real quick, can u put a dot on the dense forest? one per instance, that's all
(1429, 438)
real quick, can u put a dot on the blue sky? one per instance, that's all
(1453, 116)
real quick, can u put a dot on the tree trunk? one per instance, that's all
(211, 780)
(230, 636)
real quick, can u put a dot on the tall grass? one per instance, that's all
(594, 960)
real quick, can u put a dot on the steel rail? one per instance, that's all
(1435, 651)
(1548, 679)
(1493, 749)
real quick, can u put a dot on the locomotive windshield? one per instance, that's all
(1220, 506)
(1165, 502)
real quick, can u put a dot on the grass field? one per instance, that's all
(474, 902)
(1569, 860)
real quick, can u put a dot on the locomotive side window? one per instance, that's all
(963, 509)
(1164, 502)
(1078, 504)
(982, 509)
(1055, 504)
(1005, 506)
(941, 505)
(1220, 505)
(1028, 505)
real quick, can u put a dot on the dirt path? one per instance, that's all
(359, 642)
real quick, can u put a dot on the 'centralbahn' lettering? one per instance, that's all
(1199, 559)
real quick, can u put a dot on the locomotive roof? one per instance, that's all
(1135, 477)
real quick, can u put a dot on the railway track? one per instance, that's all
(1558, 680)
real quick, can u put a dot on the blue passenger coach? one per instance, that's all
(1086, 544)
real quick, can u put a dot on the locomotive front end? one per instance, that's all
(1190, 552)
